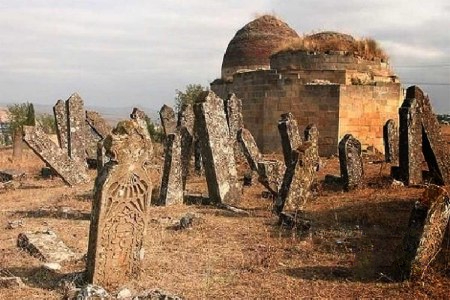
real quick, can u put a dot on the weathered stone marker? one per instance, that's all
(119, 212)
(410, 142)
(390, 138)
(168, 119)
(350, 162)
(71, 171)
(290, 136)
(233, 111)
(76, 117)
(427, 226)
(311, 134)
(249, 147)
(98, 124)
(216, 149)
(185, 126)
(60, 112)
(295, 190)
(172, 182)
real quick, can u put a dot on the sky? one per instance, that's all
(138, 53)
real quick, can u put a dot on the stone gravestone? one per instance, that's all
(119, 212)
(390, 138)
(71, 171)
(168, 119)
(311, 134)
(98, 124)
(249, 147)
(216, 149)
(233, 111)
(76, 117)
(172, 182)
(410, 142)
(350, 161)
(290, 136)
(271, 174)
(185, 125)
(434, 147)
(427, 227)
(60, 112)
(295, 190)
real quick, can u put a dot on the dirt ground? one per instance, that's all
(349, 251)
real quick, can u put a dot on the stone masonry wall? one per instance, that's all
(365, 109)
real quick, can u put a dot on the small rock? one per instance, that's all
(397, 183)
(124, 293)
(52, 266)
(14, 224)
(186, 221)
(11, 282)
(91, 291)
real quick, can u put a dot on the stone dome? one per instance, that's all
(251, 47)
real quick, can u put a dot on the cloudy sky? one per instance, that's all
(125, 53)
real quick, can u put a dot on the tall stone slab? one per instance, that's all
(185, 126)
(168, 119)
(427, 227)
(390, 139)
(119, 211)
(77, 131)
(295, 190)
(171, 191)
(434, 147)
(249, 147)
(410, 142)
(271, 174)
(290, 136)
(98, 123)
(71, 171)
(60, 112)
(350, 162)
(311, 134)
(101, 157)
(140, 118)
(216, 149)
(233, 111)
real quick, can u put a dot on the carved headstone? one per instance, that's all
(71, 171)
(119, 212)
(77, 132)
(390, 138)
(172, 182)
(168, 119)
(350, 161)
(61, 121)
(427, 226)
(295, 190)
(249, 147)
(271, 174)
(216, 149)
(311, 134)
(98, 124)
(233, 111)
(290, 136)
(410, 142)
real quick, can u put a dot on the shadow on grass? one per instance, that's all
(55, 214)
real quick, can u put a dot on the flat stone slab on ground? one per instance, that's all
(11, 174)
(46, 246)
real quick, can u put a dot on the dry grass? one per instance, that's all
(366, 48)
(348, 253)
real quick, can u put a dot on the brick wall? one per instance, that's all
(365, 109)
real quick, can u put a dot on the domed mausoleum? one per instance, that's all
(341, 84)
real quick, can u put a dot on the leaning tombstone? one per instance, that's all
(271, 174)
(350, 162)
(290, 136)
(98, 123)
(119, 211)
(390, 138)
(60, 112)
(295, 190)
(168, 119)
(249, 147)
(427, 226)
(172, 185)
(216, 149)
(185, 125)
(233, 111)
(71, 171)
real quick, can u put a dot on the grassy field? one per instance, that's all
(349, 252)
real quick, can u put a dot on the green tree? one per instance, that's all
(47, 123)
(155, 131)
(21, 114)
(189, 96)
